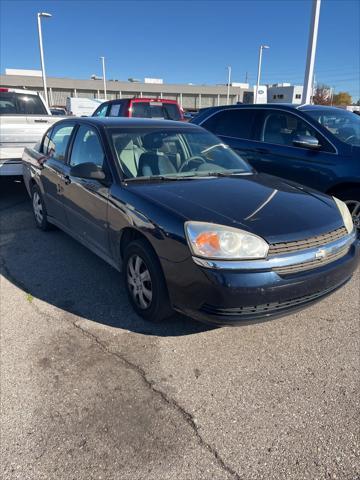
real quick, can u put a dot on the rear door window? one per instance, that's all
(12, 103)
(115, 110)
(232, 123)
(59, 141)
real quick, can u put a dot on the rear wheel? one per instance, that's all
(352, 199)
(145, 283)
(39, 209)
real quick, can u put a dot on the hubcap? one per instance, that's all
(38, 208)
(354, 207)
(139, 281)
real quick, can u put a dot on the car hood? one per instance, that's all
(268, 206)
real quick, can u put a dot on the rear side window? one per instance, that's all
(114, 110)
(21, 104)
(169, 111)
(59, 141)
(232, 123)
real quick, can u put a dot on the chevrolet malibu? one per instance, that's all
(190, 224)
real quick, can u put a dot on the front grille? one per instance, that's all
(318, 262)
(267, 308)
(318, 241)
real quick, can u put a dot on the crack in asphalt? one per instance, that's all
(188, 417)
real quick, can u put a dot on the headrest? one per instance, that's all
(153, 141)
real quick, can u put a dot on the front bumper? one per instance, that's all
(228, 297)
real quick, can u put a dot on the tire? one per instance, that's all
(145, 283)
(352, 198)
(39, 209)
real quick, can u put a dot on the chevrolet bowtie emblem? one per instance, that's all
(322, 253)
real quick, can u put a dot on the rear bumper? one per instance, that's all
(11, 167)
(226, 297)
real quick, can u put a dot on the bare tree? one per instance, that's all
(322, 95)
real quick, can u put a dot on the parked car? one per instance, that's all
(192, 226)
(141, 108)
(313, 145)
(24, 117)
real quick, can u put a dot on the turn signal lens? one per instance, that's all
(218, 241)
(346, 215)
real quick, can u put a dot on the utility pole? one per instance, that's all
(228, 85)
(262, 47)
(310, 61)
(104, 78)
(39, 16)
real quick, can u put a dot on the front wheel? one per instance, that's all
(352, 200)
(145, 283)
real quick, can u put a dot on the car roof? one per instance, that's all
(320, 107)
(109, 122)
(287, 106)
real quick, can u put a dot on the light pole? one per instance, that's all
(310, 60)
(262, 47)
(46, 15)
(228, 85)
(104, 78)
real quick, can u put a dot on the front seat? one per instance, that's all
(273, 127)
(92, 151)
(153, 162)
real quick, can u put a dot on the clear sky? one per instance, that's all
(184, 41)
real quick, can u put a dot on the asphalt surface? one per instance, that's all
(90, 391)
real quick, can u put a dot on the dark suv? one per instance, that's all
(312, 145)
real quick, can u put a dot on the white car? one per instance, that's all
(24, 117)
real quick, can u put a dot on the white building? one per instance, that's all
(284, 93)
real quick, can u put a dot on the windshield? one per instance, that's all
(343, 124)
(173, 153)
(169, 111)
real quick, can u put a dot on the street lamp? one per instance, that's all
(46, 15)
(228, 85)
(104, 79)
(262, 47)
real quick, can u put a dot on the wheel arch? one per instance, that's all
(342, 187)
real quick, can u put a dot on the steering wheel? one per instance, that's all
(195, 158)
(349, 138)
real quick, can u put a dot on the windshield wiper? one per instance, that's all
(225, 174)
(160, 178)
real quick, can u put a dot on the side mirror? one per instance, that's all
(87, 170)
(306, 141)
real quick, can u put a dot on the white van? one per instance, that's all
(82, 107)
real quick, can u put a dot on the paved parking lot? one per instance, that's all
(90, 391)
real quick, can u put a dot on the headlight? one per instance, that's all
(209, 240)
(346, 215)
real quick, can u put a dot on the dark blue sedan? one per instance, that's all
(191, 225)
(312, 145)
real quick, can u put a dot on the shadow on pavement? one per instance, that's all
(56, 269)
